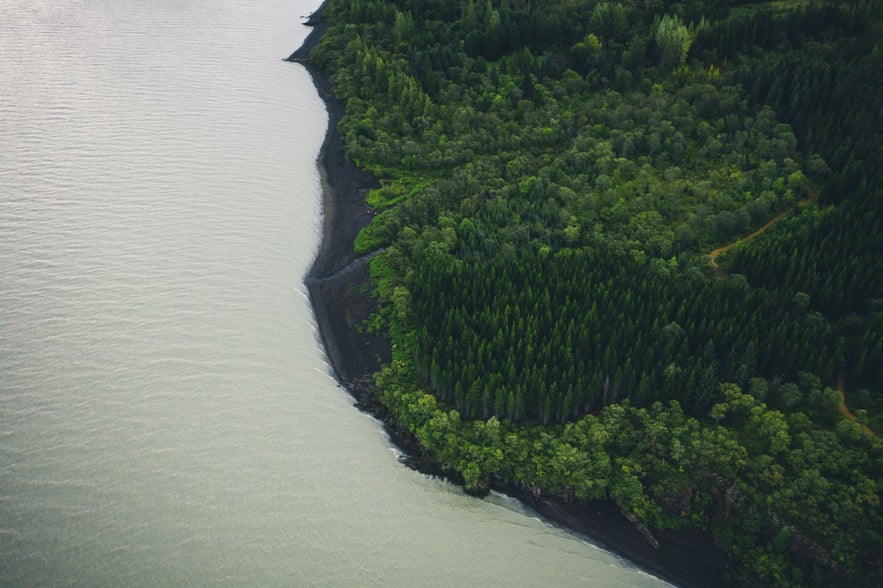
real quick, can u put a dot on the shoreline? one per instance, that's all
(337, 284)
(337, 275)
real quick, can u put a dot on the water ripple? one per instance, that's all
(166, 414)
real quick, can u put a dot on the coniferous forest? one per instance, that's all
(554, 177)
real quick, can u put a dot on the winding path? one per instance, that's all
(844, 410)
(811, 195)
(346, 270)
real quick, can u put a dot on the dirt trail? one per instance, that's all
(844, 410)
(811, 195)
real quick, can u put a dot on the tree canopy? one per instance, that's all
(553, 177)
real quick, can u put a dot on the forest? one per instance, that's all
(552, 179)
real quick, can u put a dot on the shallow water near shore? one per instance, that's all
(167, 417)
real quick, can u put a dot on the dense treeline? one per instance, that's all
(831, 262)
(500, 337)
(819, 70)
(798, 503)
(553, 176)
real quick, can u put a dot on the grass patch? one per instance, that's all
(394, 190)
(389, 193)
(370, 238)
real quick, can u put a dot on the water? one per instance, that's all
(167, 417)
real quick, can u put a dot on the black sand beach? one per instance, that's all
(339, 291)
(338, 279)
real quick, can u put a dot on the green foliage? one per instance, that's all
(771, 487)
(537, 328)
(553, 176)
(831, 260)
(673, 40)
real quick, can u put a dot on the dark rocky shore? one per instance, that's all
(338, 279)
(340, 294)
